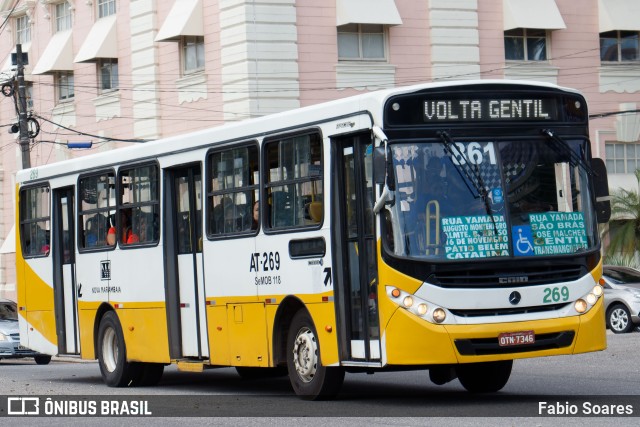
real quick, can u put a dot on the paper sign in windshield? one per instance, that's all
(550, 233)
(475, 236)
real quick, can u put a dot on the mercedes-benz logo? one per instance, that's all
(515, 297)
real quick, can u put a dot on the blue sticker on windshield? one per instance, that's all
(522, 240)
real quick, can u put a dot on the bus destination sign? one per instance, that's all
(487, 110)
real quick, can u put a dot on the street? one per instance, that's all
(608, 378)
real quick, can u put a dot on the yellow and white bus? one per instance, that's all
(449, 227)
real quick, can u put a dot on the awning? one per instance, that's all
(8, 64)
(184, 19)
(623, 15)
(101, 42)
(538, 14)
(57, 56)
(9, 244)
(382, 12)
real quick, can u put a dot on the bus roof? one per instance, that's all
(370, 102)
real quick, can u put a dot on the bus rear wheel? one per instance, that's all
(309, 379)
(112, 354)
(484, 377)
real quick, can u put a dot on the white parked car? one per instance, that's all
(621, 298)
(10, 347)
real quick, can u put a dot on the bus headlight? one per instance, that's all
(597, 290)
(408, 301)
(591, 299)
(580, 305)
(417, 306)
(439, 315)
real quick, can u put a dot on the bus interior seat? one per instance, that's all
(315, 211)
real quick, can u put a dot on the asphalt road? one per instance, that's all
(221, 397)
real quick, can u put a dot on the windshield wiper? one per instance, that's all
(560, 146)
(470, 172)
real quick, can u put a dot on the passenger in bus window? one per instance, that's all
(111, 236)
(256, 215)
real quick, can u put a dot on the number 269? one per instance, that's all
(555, 294)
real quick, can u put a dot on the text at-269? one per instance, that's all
(264, 263)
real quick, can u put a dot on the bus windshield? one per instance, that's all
(467, 199)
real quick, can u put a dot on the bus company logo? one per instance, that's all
(345, 125)
(23, 406)
(105, 270)
(515, 297)
(319, 262)
(513, 279)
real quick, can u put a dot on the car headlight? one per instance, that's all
(3, 337)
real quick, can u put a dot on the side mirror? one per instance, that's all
(379, 165)
(383, 168)
(601, 189)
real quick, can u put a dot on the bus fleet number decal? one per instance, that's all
(555, 294)
(265, 262)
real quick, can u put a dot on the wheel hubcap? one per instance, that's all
(619, 319)
(110, 350)
(305, 355)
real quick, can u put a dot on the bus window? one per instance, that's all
(138, 205)
(34, 221)
(294, 181)
(232, 191)
(96, 210)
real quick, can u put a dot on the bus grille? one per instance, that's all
(507, 311)
(489, 278)
(485, 346)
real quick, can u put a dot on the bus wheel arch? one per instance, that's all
(282, 321)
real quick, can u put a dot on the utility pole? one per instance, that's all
(22, 111)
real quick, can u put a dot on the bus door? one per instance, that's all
(65, 292)
(184, 281)
(355, 249)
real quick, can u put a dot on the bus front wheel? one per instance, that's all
(484, 377)
(112, 353)
(309, 379)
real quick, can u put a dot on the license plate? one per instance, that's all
(508, 339)
(21, 347)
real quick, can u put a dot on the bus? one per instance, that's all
(451, 227)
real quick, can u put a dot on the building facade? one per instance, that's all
(111, 71)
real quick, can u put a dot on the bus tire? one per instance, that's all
(112, 354)
(42, 360)
(484, 377)
(309, 379)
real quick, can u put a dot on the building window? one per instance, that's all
(619, 46)
(106, 8)
(192, 54)
(523, 44)
(108, 74)
(622, 158)
(63, 82)
(23, 30)
(361, 42)
(63, 16)
(293, 182)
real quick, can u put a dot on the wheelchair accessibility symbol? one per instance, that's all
(522, 240)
